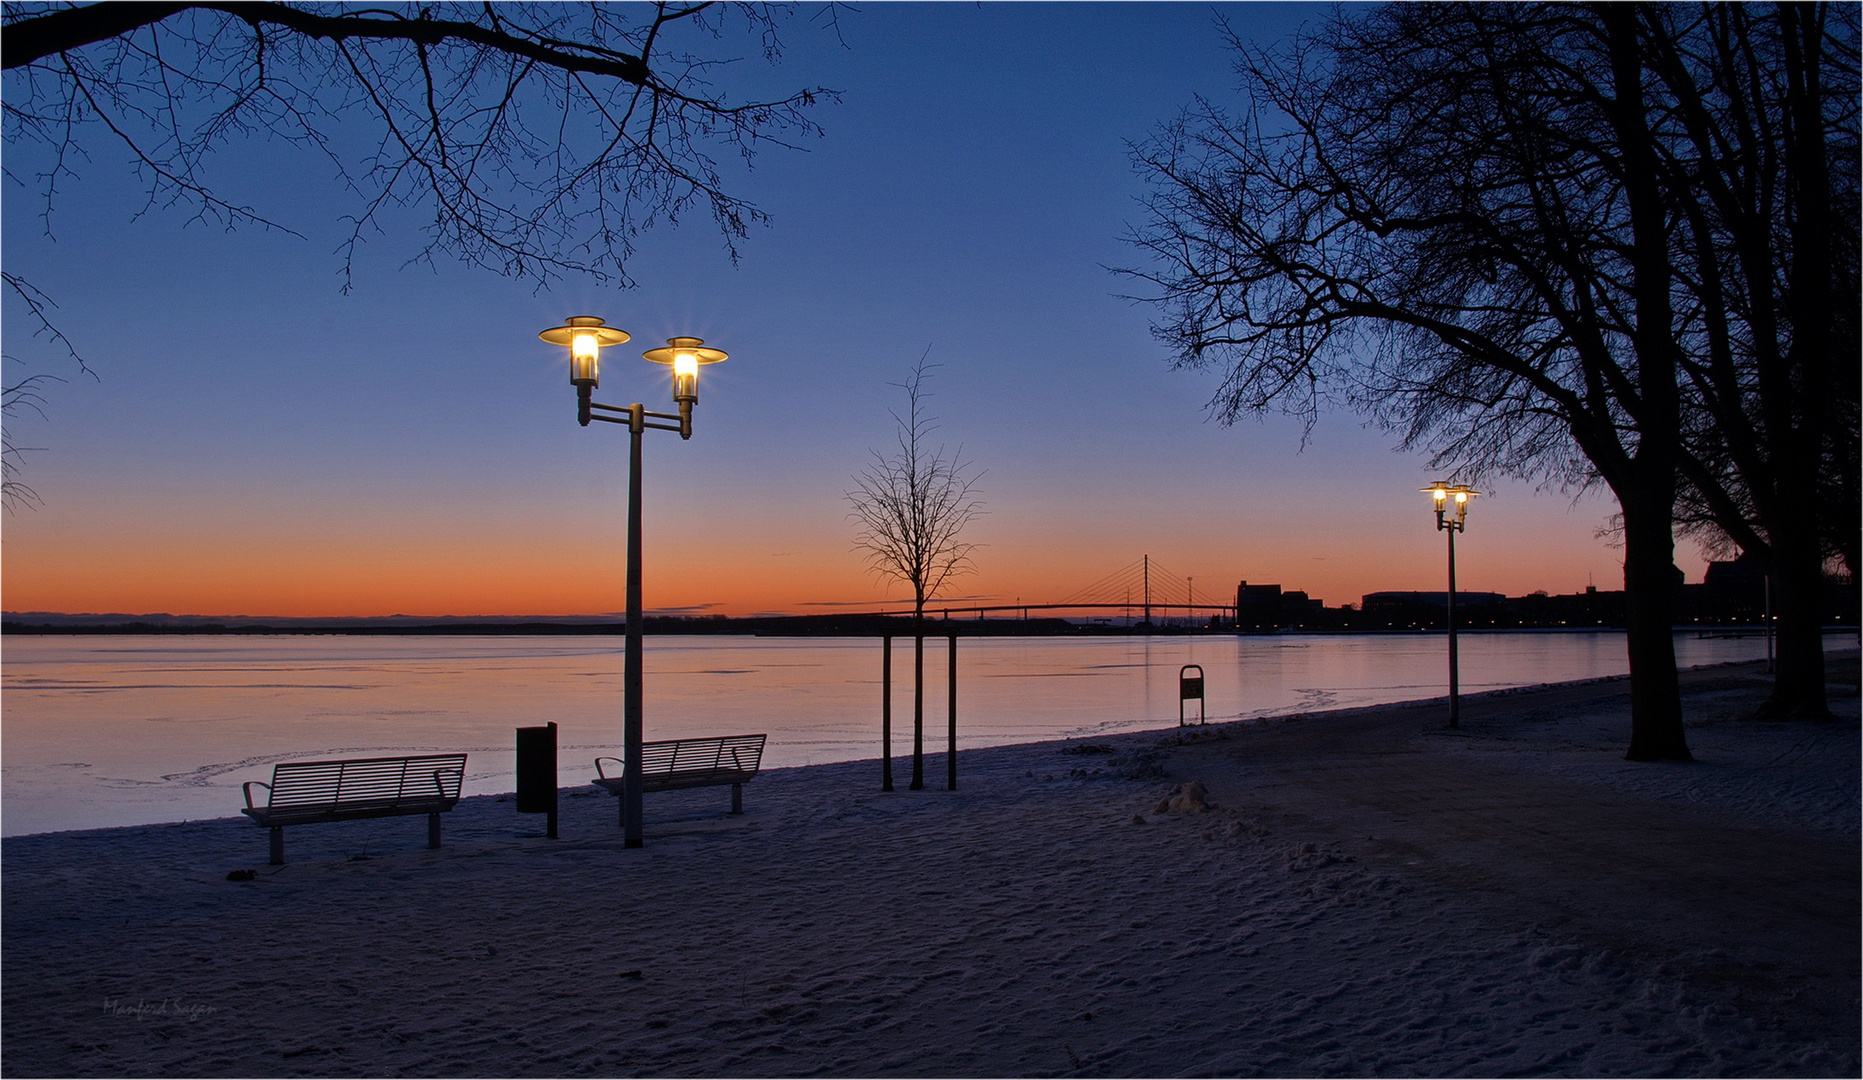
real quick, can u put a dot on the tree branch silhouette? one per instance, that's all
(543, 137)
(540, 140)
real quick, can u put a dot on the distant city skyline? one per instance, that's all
(258, 443)
(1164, 602)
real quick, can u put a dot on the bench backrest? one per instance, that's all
(732, 753)
(384, 781)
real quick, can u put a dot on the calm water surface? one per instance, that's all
(127, 730)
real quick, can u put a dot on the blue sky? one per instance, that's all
(258, 443)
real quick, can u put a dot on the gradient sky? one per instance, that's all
(257, 443)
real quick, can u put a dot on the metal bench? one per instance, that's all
(307, 792)
(690, 763)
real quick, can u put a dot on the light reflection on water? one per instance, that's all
(127, 730)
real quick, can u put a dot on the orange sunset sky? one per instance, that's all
(256, 442)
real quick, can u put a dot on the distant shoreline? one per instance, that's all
(773, 626)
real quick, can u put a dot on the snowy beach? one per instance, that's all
(1346, 893)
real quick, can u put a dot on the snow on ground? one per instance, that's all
(1789, 772)
(1353, 894)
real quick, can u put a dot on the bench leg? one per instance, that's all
(737, 798)
(278, 846)
(433, 830)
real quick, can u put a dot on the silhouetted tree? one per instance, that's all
(1761, 170)
(1577, 243)
(540, 138)
(1451, 215)
(910, 506)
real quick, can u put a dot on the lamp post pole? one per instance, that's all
(585, 335)
(1445, 495)
(633, 684)
(1455, 674)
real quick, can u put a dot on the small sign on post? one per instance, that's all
(1189, 686)
(536, 772)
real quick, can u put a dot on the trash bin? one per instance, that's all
(536, 772)
(1189, 686)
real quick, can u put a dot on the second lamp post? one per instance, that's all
(1452, 517)
(586, 335)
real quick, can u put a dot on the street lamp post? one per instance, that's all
(586, 335)
(1452, 521)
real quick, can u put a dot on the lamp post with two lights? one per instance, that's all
(586, 335)
(1452, 517)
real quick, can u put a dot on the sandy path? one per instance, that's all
(1042, 921)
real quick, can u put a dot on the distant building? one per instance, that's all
(1258, 607)
(1732, 591)
(1735, 591)
(1428, 610)
(1298, 608)
(1592, 607)
(1267, 607)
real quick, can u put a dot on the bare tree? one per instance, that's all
(1762, 173)
(537, 139)
(910, 506)
(1451, 216)
(542, 138)
(1579, 243)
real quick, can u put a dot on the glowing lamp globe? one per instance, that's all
(685, 355)
(585, 335)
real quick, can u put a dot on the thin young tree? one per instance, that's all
(911, 505)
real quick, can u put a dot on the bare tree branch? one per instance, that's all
(538, 139)
(543, 138)
(22, 396)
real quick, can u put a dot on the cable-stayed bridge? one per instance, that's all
(1142, 591)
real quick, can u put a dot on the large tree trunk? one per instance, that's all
(1768, 184)
(1797, 584)
(1649, 588)
(1647, 491)
(1794, 393)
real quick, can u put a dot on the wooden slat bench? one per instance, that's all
(690, 763)
(307, 792)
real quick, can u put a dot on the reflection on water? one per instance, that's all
(125, 730)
